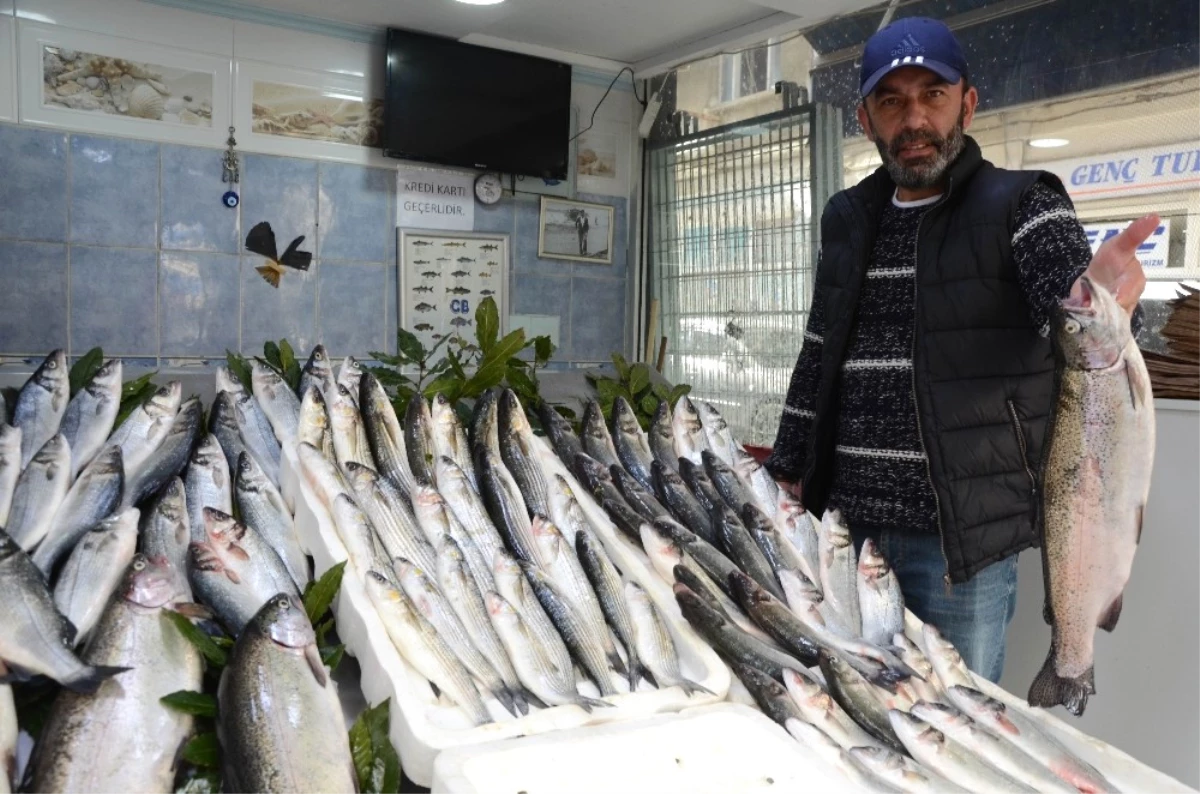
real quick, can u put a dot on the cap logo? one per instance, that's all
(908, 46)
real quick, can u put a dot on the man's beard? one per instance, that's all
(930, 172)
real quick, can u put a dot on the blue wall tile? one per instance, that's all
(390, 304)
(114, 192)
(113, 300)
(33, 184)
(283, 192)
(352, 305)
(597, 318)
(355, 204)
(269, 313)
(193, 216)
(33, 310)
(498, 218)
(534, 294)
(199, 303)
(527, 214)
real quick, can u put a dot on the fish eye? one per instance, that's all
(1072, 326)
(139, 564)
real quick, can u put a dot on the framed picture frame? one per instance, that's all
(444, 275)
(79, 80)
(602, 159)
(306, 113)
(575, 230)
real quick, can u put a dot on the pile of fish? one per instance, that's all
(106, 529)
(482, 563)
(813, 630)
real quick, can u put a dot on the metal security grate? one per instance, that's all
(731, 253)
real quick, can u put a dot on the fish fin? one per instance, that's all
(617, 664)
(232, 576)
(532, 699)
(1139, 386)
(519, 700)
(270, 274)
(237, 552)
(1108, 621)
(691, 688)
(645, 673)
(1047, 612)
(1141, 513)
(506, 699)
(1049, 690)
(313, 657)
(193, 610)
(587, 704)
(91, 678)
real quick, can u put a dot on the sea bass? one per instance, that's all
(1097, 480)
(41, 404)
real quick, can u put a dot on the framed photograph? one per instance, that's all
(444, 275)
(602, 159)
(576, 230)
(305, 113)
(75, 79)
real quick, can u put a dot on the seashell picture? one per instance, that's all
(295, 111)
(95, 83)
(597, 155)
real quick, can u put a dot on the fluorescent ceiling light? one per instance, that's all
(1048, 143)
(481, 2)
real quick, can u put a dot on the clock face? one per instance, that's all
(488, 188)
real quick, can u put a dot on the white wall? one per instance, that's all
(1147, 680)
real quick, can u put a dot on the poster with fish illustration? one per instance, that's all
(443, 278)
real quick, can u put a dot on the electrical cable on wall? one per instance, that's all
(607, 91)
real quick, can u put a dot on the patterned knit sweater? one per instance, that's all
(880, 478)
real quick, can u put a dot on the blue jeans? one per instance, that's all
(973, 615)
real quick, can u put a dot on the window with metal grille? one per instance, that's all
(731, 260)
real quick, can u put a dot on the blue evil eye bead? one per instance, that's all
(230, 199)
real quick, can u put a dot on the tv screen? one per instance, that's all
(459, 104)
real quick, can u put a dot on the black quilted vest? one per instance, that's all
(982, 374)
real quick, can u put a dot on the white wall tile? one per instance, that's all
(131, 19)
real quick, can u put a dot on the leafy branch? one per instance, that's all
(634, 384)
(279, 356)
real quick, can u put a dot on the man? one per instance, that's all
(919, 403)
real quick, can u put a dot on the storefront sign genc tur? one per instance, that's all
(1152, 170)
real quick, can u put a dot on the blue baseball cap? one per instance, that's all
(912, 41)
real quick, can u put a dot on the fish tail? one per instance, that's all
(506, 699)
(1048, 689)
(645, 673)
(532, 699)
(691, 688)
(587, 704)
(519, 700)
(90, 678)
(618, 666)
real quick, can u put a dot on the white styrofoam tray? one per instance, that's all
(421, 726)
(717, 749)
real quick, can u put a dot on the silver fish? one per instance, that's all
(533, 664)
(9, 731)
(10, 467)
(384, 434)
(798, 527)
(512, 585)
(418, 440)
(317, 371)
(559, 430)
(655, 648)
(396, 527)
(312, 424)
(449, 438)
(123, 738)
(280, 721)
(947, 663)
(94, 496)
(256, 432)
(94, 569)
(468, 508)
(743, 550)
(41, 404)
(34, 636)
(261, 507)
(701, 486)
(902, 772)
(761, 484)
(594, 436)
(91, 413)
(166, 530)
(145, 429)
(930, 747)
(879, 599)
(767, 692)
(1003, 755)
(349, 374)
(358, 535)
(821, 710)
(350, 442)
(839, 577)
(606, 582)
(207, 484)
(465, 597)
(636, 496)
(776, 548)
(169, 458)
(688, 431)
(429, 602)
(223, 424)
(711, 559)
(235, 572)
(1012, 725)
(832, 755)
(558, 560)
(484, 432)
(279, 403)
(661, 437)
(437, 521)
(674, 494)
(734, 491)
(716, 430)
(421, 646)
(1097, 482)
(519, 455)
(40, 490)
(506, 506)
(321, 474)
(859, 698)
(631, 444)
(924, 686)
